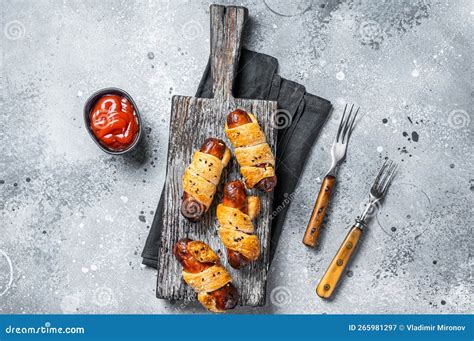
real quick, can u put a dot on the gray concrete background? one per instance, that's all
(74, 220)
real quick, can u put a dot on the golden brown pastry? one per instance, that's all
(202, 176)
(204, 273)
(256, 160)
(235, 216)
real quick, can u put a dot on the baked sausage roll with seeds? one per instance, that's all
(202, 176)
(255, 157)
(235, 215)
(203, 272)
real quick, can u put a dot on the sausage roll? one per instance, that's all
(236, 230)
(256, 160)
(204, 273)
(202, 176)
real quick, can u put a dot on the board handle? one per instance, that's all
(227, 25)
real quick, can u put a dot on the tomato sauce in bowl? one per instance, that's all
(112, 120)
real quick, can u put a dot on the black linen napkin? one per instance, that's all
(300, 118)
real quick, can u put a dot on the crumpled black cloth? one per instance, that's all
(301, 116)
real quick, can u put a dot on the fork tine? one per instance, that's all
(389, 178)
(388, 173)
(385, 175)
(379, 177)
(351, 128)
(341, 124)
(346, 126)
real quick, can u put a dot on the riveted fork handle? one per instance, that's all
(335, 270)
(319, 211)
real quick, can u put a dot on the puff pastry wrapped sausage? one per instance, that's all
(255, 157)
(204, 273)
(202, 176)
(235, 215)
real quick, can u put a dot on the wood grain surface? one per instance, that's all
(319, 211)
(192, 121)
(333, 274)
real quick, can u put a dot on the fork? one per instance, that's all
(338, 152)
(378, 190)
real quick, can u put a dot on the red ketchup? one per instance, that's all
(114, 122)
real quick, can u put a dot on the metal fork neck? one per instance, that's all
(364, 217)
(365, 213)
(360, 224)
(332, 170)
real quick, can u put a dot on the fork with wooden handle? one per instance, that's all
(338, 152)
(333, 273)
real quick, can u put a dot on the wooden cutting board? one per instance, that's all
(192, 121)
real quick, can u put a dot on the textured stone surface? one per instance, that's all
(74, 220)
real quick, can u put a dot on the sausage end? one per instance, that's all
(237, 118)
(192, 209)
(267, 184)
